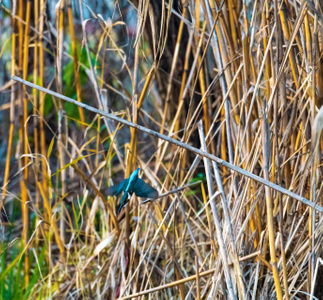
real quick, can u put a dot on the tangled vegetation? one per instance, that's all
(216, 101)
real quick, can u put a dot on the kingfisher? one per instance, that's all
(131, 185)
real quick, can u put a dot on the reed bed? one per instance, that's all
(218, 103)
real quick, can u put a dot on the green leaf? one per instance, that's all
(50, 148)
(71, 110)
(73, 162)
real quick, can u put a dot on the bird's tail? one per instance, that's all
(119, 209)
(124, 201)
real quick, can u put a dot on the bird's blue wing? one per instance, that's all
(143, 189)
(117, 189)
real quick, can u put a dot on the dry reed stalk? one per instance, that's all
(216, 218)
(280, 93)
(247, 60)
(175, 283)
(223, 81)
(314, 177)
(35, 111)
(269, 203)
(62, 132)
(75, 57)
(198, 288)
(24, 141)
(228, 220)
(286, 31)
(42, 101)
(201, 74)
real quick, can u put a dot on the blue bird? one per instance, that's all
(129, 186)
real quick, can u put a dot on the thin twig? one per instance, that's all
(171, 192)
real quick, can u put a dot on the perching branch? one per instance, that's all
(177, 143)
